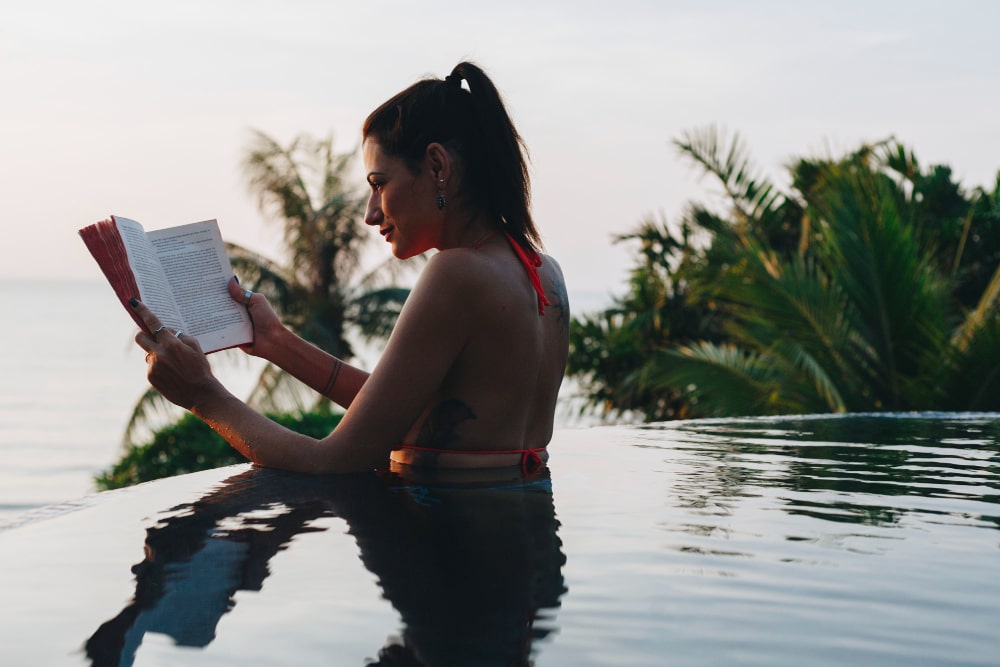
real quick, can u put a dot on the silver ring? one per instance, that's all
(178, 333)
(162, 327)
(246, 296)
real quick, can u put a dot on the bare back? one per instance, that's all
(499, 392)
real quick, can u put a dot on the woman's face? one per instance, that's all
(402, 203)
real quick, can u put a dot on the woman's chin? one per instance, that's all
(401, 251)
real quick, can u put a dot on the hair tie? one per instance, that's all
(454, 80)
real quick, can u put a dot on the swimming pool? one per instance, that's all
(863, 540)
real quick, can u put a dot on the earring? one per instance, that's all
(440, 199)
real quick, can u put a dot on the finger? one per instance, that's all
(145, 341)
(189, 340)
(235, 289)
(238, 293)
(146, 316)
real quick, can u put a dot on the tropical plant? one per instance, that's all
(190, 445)
(870, 285)
(607, 348)
(318, 288)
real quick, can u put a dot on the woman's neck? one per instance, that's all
(475, 232)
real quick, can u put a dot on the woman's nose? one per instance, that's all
(373, 214)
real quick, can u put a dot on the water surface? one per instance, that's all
(863, 540)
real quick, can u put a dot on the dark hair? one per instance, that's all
(472, 123)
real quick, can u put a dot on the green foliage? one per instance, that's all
(870, 285)
(608, 348)
(189, 445)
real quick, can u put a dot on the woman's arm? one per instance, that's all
(428, 337)
(319, 370)
(323, 372)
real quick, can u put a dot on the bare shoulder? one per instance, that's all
(555, 289)
(491, 280)
(452, 281)
(455, 259)
(458, 270)
(551, 268)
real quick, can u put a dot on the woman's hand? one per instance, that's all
(178, 368)
(267, 328)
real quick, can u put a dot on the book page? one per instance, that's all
(154, 288)
(194, 261)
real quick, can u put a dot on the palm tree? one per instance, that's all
(318, 289)
(854, 291)
(607, 347)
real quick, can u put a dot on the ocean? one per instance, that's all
(69, 378)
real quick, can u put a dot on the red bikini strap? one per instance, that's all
(531, 459)
(531, 261)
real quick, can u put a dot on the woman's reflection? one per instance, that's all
(470, 567)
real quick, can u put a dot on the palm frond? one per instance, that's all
(897, 298)
(898, 159)
(794, 301)
(151, 412)
(723, 380)
(753, 196)
(256, 268)
(374, 312)
(274, 176)
(322, 224)
(817, 391)
(984, 312)
(278, 392)
(972, 380)
(260, 274)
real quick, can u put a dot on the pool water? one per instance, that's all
(861, 540)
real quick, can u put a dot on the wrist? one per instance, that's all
(274, 340)
(208, 398)
(331, 380)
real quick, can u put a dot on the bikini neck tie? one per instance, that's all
(531, 261)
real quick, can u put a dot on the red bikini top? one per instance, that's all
(531, 260)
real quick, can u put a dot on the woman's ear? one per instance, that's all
(438, 161)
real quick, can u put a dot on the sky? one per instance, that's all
(144, 109)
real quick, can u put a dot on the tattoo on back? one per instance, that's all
(439, 427)
(560, 301)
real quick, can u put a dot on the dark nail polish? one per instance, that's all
(133, 302)
(237, 278)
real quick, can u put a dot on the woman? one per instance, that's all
(470, 374)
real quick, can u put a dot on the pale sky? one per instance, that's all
(143, 109)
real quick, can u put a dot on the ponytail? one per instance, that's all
(473, 123)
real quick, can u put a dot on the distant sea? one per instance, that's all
(69, 377)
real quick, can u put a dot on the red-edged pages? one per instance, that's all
(182, 273)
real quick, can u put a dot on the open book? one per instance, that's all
(182, 274)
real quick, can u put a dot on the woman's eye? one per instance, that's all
(376, 186)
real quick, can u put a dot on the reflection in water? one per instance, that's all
(869, 470)
(472, 571)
